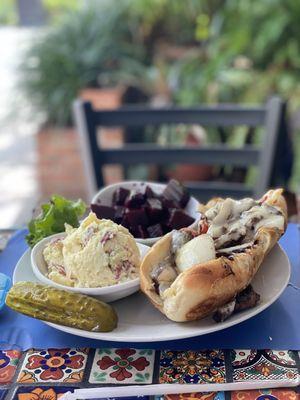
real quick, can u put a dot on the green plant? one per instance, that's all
(251, 51)
(8, 12)
(56, 8)
(73, 54)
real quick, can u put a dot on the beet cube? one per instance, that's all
(137, 217)
(149, 193)
(155, 230)
(169, 204)
(154, 210)
(120, 195)
(119, 214)
(179, 219)
(101, 211)
(135, 199)
(176, 192)
(125, 222)
(139, 231)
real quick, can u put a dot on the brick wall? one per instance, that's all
(60, 167)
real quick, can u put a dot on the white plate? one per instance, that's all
(139, 321)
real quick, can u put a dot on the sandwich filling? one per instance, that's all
(227, 228)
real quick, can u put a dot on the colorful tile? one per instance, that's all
(41, 392)
(206, 366)
(198, 396)
(2, 394)
(271, 394)
(263, 365)
(8, 364)
(122, 366)
(53, 365)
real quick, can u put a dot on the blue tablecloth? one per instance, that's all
(278, 327)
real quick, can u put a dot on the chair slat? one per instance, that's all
(218, 116)
(206, 116)
(152, 154)
(206, 190)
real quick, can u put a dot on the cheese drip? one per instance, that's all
(234, 221)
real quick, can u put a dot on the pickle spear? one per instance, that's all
(61, 307)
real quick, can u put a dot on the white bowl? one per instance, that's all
(107, 293)
(105, 196)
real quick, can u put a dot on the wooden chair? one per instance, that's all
(268, 116)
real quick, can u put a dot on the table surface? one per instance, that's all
(276, 328)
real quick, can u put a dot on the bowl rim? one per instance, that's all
(145, 183)
(38, 248)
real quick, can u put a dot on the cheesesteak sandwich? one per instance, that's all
(189, 274)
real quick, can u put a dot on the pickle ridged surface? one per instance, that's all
(61, 307)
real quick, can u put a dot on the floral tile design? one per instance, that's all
(8, 364)
(270, 394)
(41, 392)
(122, 366)
(206, 366)
(198, 396)
(2, 394)
(53, 365)
(263, 365)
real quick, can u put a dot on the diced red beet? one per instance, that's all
(165, 227)
(155, 230)
(140, 207)
(149, 193)
(168, 204)
(125, 222)
(102, 211)
(119, 214)
(155, 204)
(176, 192)
(120, 195)
(139, 232)
(179, 219)
(154, 210)
(135, 199)
(137, 217)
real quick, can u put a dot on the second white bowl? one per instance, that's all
(107, 293)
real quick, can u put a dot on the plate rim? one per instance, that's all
(106, 336)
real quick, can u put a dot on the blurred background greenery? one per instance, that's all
(180, 52)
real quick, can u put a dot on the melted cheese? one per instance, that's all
(232, 221)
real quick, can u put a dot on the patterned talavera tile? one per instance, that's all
(8, 364)
(2, 394)
(53, 365)
(122, 366)
(198, 396)
(41, 392)
(263, 364)
(270, 394)
(206, 366)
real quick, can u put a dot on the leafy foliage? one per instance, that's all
(235, 51)
(8, 14)
(53, 218)
(71, 55)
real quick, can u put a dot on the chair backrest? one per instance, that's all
(268, 116)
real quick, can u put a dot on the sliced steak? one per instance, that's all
(247, 298)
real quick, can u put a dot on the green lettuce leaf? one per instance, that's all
(53, 217)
